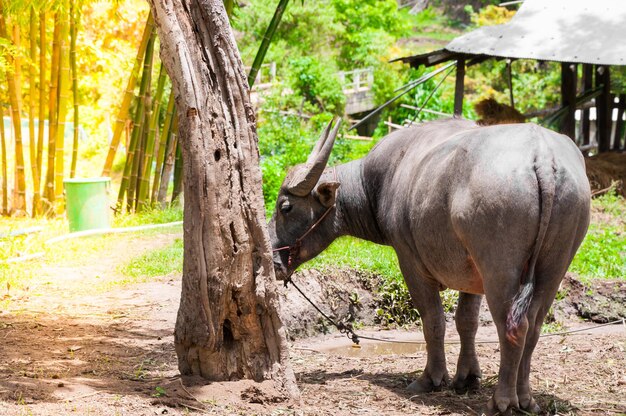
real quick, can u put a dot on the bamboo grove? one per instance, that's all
(152, 144)
(41, 82)
(39, 89)
(148, 120)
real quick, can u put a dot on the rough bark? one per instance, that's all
(228, 325)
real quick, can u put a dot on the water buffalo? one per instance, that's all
(497, 210)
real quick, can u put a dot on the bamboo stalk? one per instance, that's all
(229, 5)
(19, 201)
(163, 143)
(52, 112)
(64, 91)
(5, 183)
(135, 177)
(129, 180)
(32, 106)
(168, 166)
(267, 39)
(123, 114)
(146, 169)
(42, 110)
(74, 16)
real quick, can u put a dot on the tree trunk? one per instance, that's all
(228, 325)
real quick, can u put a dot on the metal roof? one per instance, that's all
(580, 31)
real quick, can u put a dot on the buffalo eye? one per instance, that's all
(285, 208)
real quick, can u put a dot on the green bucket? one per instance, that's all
(87, 203)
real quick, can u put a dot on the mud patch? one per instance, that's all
(600, 301)
(347, 296)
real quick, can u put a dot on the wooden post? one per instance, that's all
(459, 88)
(568, 98)
(587, 86)
(509, 80)
(604, 108)
(619, 128)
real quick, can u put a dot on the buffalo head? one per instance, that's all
(303, 222)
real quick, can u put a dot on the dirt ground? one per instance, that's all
(75, 344)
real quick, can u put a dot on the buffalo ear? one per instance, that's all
(327, 193)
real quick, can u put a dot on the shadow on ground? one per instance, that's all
(54, 359)
(445, 401)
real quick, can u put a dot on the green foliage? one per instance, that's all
(395, 306)
(304, 30)
(618, 79)
(536, 85)
(159, 262)
(490, 15)
(284, 141)
(317, 84)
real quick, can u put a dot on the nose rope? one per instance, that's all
(294, 249)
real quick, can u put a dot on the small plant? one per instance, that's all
(395, 305)
(159, 392)
(552, 327)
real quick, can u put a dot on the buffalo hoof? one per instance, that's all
(530, 406)
(469, 384)
(425, 384)
(501, 406)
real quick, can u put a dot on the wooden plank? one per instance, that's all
(604, 106)
(568, 98)
(459, 89)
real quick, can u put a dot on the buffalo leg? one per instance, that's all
(497, 291)
(536, 314)
(467, 370)
(526, 401)
(425, 297)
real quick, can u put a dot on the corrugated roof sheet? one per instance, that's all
(582, 31)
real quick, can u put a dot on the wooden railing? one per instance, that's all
(356, 80)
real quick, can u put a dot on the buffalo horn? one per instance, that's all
(307, 176)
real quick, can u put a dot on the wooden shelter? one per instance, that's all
(572, 32)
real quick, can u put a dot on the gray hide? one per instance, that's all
(498, 210)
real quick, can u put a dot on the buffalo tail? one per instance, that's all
(546, 180)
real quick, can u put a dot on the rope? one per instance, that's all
(346, 328)
(341, 326)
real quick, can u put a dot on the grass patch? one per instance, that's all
(396, 307)
(150, 216)
(350, 252)
(602, 254)
(158, 262)
(603, 251)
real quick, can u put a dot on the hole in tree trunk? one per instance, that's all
(233, 236)
(217, 155)
(228, 337)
